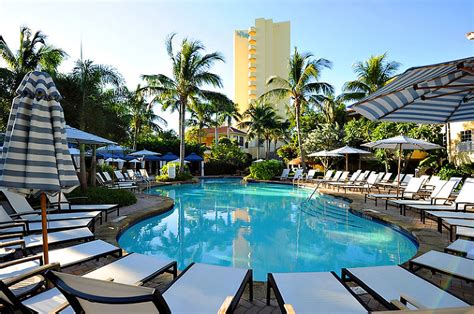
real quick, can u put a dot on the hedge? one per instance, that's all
(101, 195)
(266, 170)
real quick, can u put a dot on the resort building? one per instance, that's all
(459, 142)
(260, 51)
(224, 132)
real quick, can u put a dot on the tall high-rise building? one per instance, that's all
(261, 51)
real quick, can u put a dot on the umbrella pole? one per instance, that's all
(347, 162)
(399, 166)
(44, 227)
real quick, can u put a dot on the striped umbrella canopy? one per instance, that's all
(438, 93)
(35, 156)
(144, 152)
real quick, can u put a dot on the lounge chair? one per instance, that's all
(66, 257)
(20, 208)
(464, 198)
(326, 176)
(335, 178)
(367, 185)
(386, 178)
(412, 188)
(146, 176)
(313, 292)
(431, 183)
(463, 247)
(452, 224)
(120, 177)
(284, 174)
(63, 204)
(118, 185)
(297, 176)
(123, 271)
(464, 232)
(387, 283)
(309, 176)
(8, 225)
(351, 180)
(32, 241)
(440, 216)
(451, 265)
(200, 288)
(438, 196)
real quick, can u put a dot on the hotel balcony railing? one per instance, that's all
(252, 75)
(252, 65)
(252, 31)
(467, 146)
(252, 48)
(252, 84)
(252, 92)
(252, 57)
(252, 40)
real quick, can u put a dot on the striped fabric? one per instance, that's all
(35, 155)
(407, 99)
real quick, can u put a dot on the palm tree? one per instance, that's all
(280, 133)
(200, 117)
(371, 76)
(258, 117)
(301, 83)
(231, 113)
(93, 77)
(142, 116)
(190, 72)
(33, 51)
(331, 108)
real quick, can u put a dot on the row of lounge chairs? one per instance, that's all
(128, 179)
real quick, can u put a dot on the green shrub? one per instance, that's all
(186, 175)
(265, 170)
(219, 167)
(101, 195)
(450, 170)
(106, 168)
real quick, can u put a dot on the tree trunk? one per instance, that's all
(93, 165)
(182, 147)
(267, 148)
(298, 131)
(82, 172)
(258, 147)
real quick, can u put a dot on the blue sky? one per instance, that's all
(130, 34)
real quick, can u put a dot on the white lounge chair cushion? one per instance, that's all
(390, 282)
(409, 202)
(18, 269)
(92, 207)
(447, 214)
(55, 224)
(64, 216)
(447, 263)
(462, 246)
(321, 292)
(435, 207)
(459, 222)
(75, 254)
(47, 302)
(35, 240)
(203, 288)
(465, 232)
(130, 269)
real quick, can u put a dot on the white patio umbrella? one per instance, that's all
(144, 152)
(346, 150)
(402, 143)
(325, 154)
(35, 156)
(437, 93)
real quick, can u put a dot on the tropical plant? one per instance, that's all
(257, 119)
(288, 152)
(302, 83)
(372, 75)
(33, 51)
(141, 115)
(190, 72)
(201, 117)
(330, 108)
(265, 170)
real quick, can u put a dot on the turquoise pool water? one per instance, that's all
(266, 227)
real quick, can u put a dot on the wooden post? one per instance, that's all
(347, 162)
(93, 165)
(44, 226)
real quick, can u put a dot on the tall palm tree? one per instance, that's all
(329, 107)
(372, 74)
(190, 72)
(280, 133)
(302, 82)
(142, 116)
(33, 51)
(200, 117)
(93, 77)
(231, 113)
(257, 118)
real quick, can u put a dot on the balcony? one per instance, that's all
(464, 147)
(252, 84)
(252, 40)
(252, 66)
(252, 57)
(252, 76)
(253, 93)
(252, 31)
(252, 48)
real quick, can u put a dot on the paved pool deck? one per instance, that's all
(426, 234)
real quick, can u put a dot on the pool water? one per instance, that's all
(266, 227)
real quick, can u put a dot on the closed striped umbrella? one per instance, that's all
(35, 156)
(438, 93)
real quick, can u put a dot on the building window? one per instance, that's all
(241, 141)
(466, 136)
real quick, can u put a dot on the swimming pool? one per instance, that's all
(266, 227)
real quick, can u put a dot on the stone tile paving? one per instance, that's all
(426, 234)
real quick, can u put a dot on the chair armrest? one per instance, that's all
(58, 309)
(289, 309)
(7, 225)
(77, 198)
(225, 305)
(12, 243)
(22, 260)
(35, 272)
(11, 235)
(405, 299)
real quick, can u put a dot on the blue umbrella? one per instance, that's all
(169, 157)
(193, 157)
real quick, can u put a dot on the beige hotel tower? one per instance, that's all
(261, 51)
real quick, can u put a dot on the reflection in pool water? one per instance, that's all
(266, 227)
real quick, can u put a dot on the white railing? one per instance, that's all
(467, 146)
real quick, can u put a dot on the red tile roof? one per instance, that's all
(223, 130)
